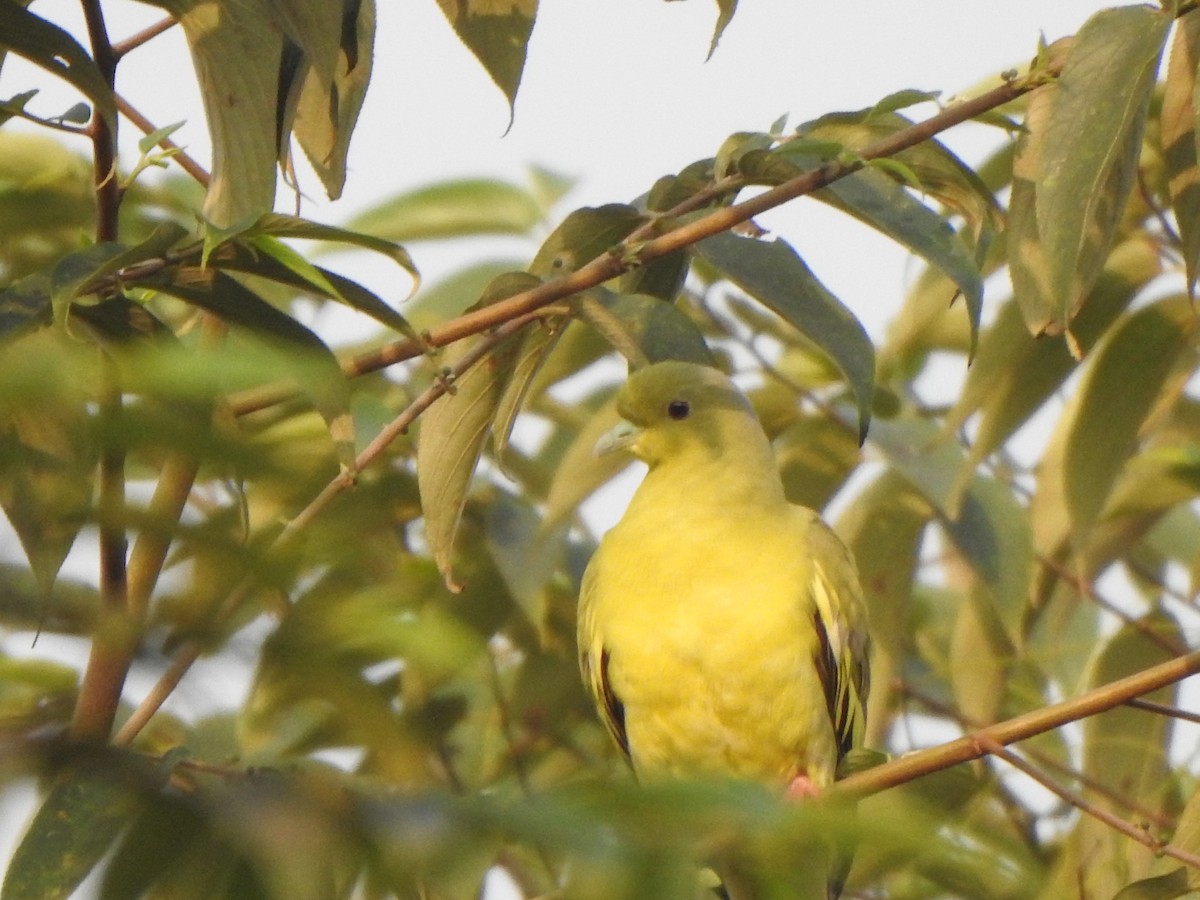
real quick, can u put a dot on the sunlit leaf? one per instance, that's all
(497, 33)
(452, 209)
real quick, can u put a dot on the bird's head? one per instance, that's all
(680, 410)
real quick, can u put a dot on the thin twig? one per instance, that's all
(1087, 589)
(1103, 815)
(120, 48)
(1164, 710)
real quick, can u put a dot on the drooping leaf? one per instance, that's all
(1161, 887)
(498, 34)
(1027, 263)
(309, 279)
(1117, 392)
(725, 15)
(237, 51)
(775, 275)
(1014, 372)
(1178, 121)
(329, 104)
(452, 209)
(53, 49)
(581, 472)
(657, 328)
(1089, 151)
(454, 429)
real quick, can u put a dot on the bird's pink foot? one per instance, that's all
(803, 788)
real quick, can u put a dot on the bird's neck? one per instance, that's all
(745, 480)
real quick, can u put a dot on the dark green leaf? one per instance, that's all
(1163, 887)
(659, 330)
(306, 357)
(583, 235)
(81, 817)
(775, 275)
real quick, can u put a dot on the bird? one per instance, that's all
(722, 629)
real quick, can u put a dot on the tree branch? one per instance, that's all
(973, 746)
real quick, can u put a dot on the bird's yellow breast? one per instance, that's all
(708, 648)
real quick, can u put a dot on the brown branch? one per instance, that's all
(115, 635)
(191, 650)
(1043, 759)
(120, 48)
(1098, 700)
(1096, 812)
(634, 252)
(104, 141)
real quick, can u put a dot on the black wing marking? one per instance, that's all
(614, 709)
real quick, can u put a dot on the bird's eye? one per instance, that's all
(679, 409)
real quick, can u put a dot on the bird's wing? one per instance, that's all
(593, 663)
(839, 618)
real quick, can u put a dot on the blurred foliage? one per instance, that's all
(1024, 509)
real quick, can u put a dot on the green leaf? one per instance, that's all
(498, 35)
(537, 341)
(1123, 381)
(1162, 887)
(24, 305)
(582, 236)
(884, 526)
(657, 328)
(985, 521)
(883, 204)
(775, 275)
(239, 258)
(330, 102)
(1014, 373)
(902, 99)
(452, 209)
(1178, 121)
(1090, 148)
(283, 226)
(237, 51)
(726, 10)
(454, 429)
(49, 47)
(1027, 262)
(81, 817)
(306, 357)
(1126, 749)
(1187, 833)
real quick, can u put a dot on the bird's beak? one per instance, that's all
(620, 437)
